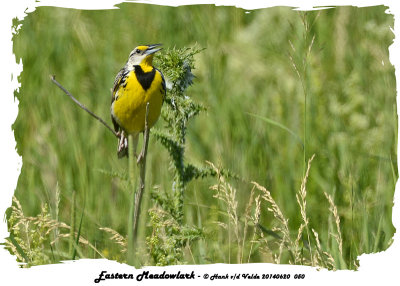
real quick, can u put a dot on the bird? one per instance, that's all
(137, 84)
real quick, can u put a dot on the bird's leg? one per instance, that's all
(141, 155)
(123, 141)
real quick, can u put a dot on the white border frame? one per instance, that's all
(374, 268)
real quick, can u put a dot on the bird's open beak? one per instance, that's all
(152, 49)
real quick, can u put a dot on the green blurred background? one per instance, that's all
(246, 67)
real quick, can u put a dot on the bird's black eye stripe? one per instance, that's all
(135, 51)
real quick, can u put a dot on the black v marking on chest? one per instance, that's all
(145, 78)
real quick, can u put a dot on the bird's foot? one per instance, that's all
(122, 145)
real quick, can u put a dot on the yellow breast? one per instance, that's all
(129, 107)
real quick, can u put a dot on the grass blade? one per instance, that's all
(277, 124)
(19, 248)
(393, 170)
(79, 232)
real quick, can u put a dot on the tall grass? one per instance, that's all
(345, 115)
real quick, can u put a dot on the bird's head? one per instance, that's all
(143, 55)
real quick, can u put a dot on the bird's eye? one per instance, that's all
(137, 51)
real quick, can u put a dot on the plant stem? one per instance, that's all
(141, 161)
(53, 79)
(134, 212)
(132, 182)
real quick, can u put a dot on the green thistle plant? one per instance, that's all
(169, 233)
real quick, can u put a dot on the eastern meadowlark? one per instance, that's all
(136, 84)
